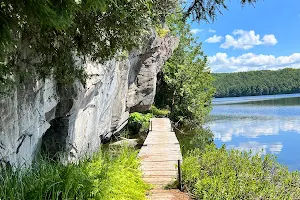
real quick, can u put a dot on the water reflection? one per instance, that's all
(225, 130)
(277, 102)
(260, 148)
(281, 99)
(191, 138)
(260, 124)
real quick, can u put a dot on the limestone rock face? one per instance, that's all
(25, 116)
(76, 119)
(142, 78)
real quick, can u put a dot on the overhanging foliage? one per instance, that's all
(42, 37)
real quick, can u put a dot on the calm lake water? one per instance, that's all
(265, 124)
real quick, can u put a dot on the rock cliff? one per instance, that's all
(76, 119)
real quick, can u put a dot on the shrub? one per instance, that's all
(159, 112)
(139, 122)
(231, 174)
(104, 176)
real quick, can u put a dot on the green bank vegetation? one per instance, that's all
(231, 174)
(214, 174)
(186, 83)
(107, 175)
(139, 122)
(252, 83)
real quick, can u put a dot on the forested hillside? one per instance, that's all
(257, 83)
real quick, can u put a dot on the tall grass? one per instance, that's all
(113, 175)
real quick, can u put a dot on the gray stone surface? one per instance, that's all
(124, 142)
(88, 114)
(142, 78)
(23, 120)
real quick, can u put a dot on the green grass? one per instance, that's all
(105, 176)
(231, 174)
(159, 112)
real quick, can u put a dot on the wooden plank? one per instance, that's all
(160, 180)
(171, 165)
(159, 194)
(159, 157)
(175, 146)
(160, 153)
(160, 124)
(160, 173)
(161, 146)
(145, 153)
(153, 158)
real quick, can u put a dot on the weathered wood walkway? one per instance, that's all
(160, 154)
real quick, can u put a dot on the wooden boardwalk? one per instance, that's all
(160, 154)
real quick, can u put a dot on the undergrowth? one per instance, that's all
(139, 122)
(159, 112)
(105, 176)
(231, 174)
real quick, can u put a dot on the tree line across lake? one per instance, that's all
(254, 83)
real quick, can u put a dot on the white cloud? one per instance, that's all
(212, 30)
(196, 30)
(250, 61)
(269, 40)
(247, 40)
(214, 39)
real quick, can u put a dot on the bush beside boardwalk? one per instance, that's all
(231, 174)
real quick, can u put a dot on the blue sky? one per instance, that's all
(263, 36)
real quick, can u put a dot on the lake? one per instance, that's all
(263, 124)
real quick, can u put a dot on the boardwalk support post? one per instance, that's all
(179, 176)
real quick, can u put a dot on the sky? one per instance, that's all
(263, 36)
